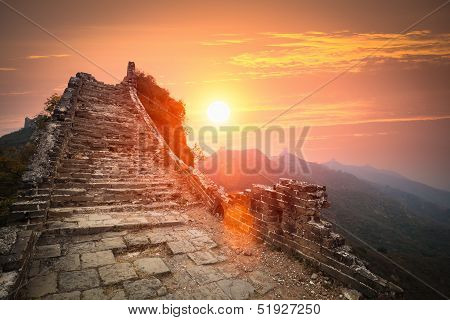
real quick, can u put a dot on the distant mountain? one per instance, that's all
(413, 232)
(230, 168)
(394, 180)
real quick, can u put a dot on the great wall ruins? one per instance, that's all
(109, 212)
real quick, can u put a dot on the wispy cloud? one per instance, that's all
(346, 135)
(8, 69)
(223, 42)
(226, 39)
(35, 57)
(337, 113)
(372, 119)
(15, 93)
(319, 51)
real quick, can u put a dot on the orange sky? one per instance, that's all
(260, 57)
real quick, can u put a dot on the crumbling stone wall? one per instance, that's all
(31, 209)
(207, 190)
(287, 216)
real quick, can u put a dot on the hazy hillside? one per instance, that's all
(16, 138)
(15, 151)
(401, 225)
(394, 180)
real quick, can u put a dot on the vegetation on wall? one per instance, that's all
(16, 149)
(167, 113)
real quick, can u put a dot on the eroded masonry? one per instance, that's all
(109, 212)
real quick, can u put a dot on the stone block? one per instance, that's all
(48, 251)
(203, 242)
(204, 274)
(69, 262)
(151, 266)
(115, 244)
(40, 286)
(236, 289)
(142, 289)
(136, 240)
(94, 294)
(157, 238)
(182, 246)
(210, 291)
(116, 273)
(118, 294)
(262, 282)
(203, 257)
(97, 259)
(78, 280)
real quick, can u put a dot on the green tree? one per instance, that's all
(51, 103)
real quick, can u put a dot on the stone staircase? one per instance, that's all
(109, 174)
(112, 169)
(111, 163)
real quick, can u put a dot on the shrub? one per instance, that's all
(167, 113)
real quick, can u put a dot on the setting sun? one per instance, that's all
(218, 112)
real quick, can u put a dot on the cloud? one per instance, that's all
(319, 51)
(225, 39)
(223, 42)
(335, 113)
(346, 135)
(35, 57)
(327, 121)
(18, 93)
(8, 69)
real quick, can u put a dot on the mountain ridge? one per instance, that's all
(394, 180)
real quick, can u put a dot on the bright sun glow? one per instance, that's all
(218, 112)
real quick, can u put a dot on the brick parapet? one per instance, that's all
(287, 216)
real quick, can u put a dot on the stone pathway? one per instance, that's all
(123, 226)
(171, 262)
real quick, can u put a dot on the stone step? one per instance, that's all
(133, 207)
(149, 184)
(69, 191)
(111, 174)
(102, 193)
(100, 155)
(87, 142)
(141, 176)
(29, 205)
(132, 185)
(34, 197)
(128, 122)
(102, 120)
(85, 226)
(106, 139)
(109, 199)
(97, 172)
(108, 183)
(31, 192)
(80, 132)
(133, 162)
(24, 215)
